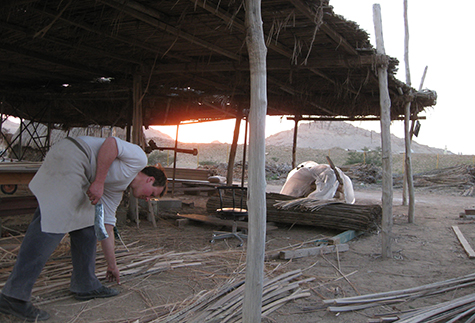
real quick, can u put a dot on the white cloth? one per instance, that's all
(61, 183)
(316, 181)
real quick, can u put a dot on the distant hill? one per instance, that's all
(328, 134)
(315, 135)
(158, 136)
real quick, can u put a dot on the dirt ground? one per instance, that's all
(424, 252)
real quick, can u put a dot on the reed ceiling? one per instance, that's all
(73, 62)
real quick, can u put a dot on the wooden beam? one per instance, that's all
(73, 45)
(349, 118)
(220, 222)
(337, 38)
(232, 152)
(315, 65)
(385, 102)
(344, 237)
(294, 141)
(8, 3)
(94, 71)
(407, 129)
(252, 302)
(15, 178)
(466, 246)
(17, 173)
(238, 24)
(306, 252)
(151, 17)
(34, 71)
(137, 135)
(107, 34)
(17, 205)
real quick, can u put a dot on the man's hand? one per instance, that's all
(95, 192)
(113, 275)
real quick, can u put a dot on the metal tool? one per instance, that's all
(99, 227)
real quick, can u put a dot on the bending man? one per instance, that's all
(76, 175)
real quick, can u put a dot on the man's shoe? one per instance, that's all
(22, 309)
(101, 292)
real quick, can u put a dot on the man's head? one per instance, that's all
(150, 182)
(157, 172)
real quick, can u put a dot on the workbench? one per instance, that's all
(11, 175)
(17, 173)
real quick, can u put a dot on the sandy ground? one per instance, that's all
(424, 252)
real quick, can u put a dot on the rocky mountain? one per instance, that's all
(327, 135)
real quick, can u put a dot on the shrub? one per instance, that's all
(367, 156)
(161, 157)
(207, 163)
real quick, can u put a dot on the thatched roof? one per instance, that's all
(72, 62)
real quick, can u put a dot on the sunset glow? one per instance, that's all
(221, 131)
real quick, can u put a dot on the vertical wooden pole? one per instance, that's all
(244, 149)
(408, 164)
(294, 144)
(174, 160)
(407, 120)
(232, 152)
(252, 303)
(385, 101)
(137, 134)
(137, 122)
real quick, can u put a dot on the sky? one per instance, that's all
(439, 37)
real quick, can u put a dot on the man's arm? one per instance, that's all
(106, 155)
(109, 253)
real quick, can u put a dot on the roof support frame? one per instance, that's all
(151, 18)
(230, 20)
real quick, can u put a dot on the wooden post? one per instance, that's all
(232, 152)
(174, 159)
(294, 144)
(244, 149)
(385, 101)
(407, 120)
(252, 303)
(137, 135)
(408, 163)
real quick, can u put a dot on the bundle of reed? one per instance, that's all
(460, 176)
(439, 313)
(53, 283)
(456, 176)
(225, 303)
(363, 173)
(325, 214)
(461, 309)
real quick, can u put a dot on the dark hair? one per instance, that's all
(158, 172)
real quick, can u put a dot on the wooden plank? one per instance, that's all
(19, 166)
(464, 242)
(17, 205)
(17, 172)
(219, 222)
(15, 178)
(188, 173)
(344, 237)
(305, 252)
